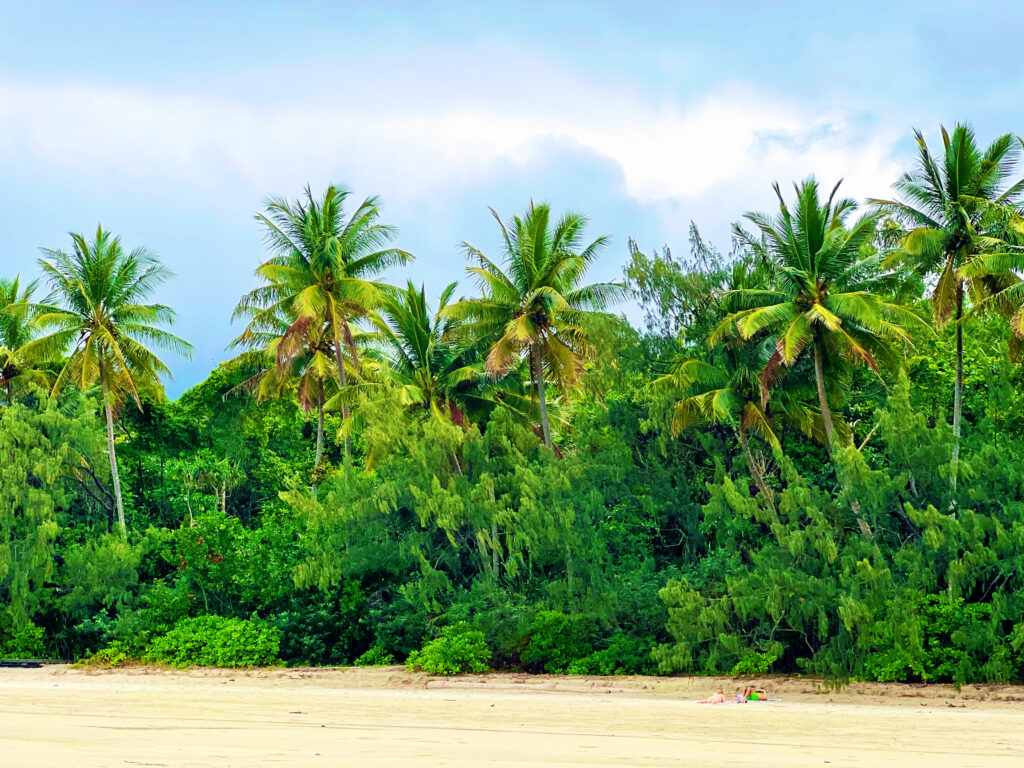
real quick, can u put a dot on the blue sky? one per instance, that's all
(169, 122)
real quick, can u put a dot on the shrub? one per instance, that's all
(398, 626)
(459, 649)
(215, 641)
(625, 655)
(378, 656)
(117, 654)
(25, 642)
(556, 641)
(755, 663)
(323, 627)
(935, 638)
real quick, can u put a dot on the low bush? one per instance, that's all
(117, 654)
(555, 641)
(25, 642)
(323, 628)
(755, 663)
(625, 655)
(378, 656)
(459, 649)
(936, 638)
(216, 641)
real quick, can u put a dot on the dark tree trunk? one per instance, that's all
(755, 471)
(538, 374)
(339, 358)
(958, 389)
(319, 438)
(819, 377)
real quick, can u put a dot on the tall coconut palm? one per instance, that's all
(723, 386)
(97, 315)
(826, 295)
(536, 307)
(323, 266)
(16, 331)
(948, 221)
(433, 367)
(292, 352)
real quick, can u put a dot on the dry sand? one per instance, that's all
(58, 716)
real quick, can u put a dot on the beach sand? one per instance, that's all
(57, 716)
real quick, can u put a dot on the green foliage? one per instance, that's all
(19, 641)
(754, 664)
(458, 650)
(215, 641)
(625, 655)
(867, 578)
(937, 639)
(46, 454)
(678, 294)
(117, 654)
(323, 627)
(377, 656)
(555, 641)
(685, 517)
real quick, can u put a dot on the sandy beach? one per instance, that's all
(57, 716)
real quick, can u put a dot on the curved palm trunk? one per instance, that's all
(819, 377)
(319, 438)
(108, 411)
(538, 372)
(958, 389)
(339, 358)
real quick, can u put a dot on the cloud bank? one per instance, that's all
(187, 168)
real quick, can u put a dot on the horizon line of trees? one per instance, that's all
(324, 327)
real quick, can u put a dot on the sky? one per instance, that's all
(169, 123)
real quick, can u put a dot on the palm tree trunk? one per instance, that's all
(108, 410)
(819, 376)
(319, 437)
(755, 472)
(339, 357)
(958, 389)
(538, 372)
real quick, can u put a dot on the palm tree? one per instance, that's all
(323, 267)
(292, 351)
(431, 366)
(949, 223)
(535, 308)
(724, 386)
(826, 294)
(97, 315)
(17, 330)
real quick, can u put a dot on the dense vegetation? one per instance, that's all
(809, 459)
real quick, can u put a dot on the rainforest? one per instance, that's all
(805, 455)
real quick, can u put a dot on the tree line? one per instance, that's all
(762, 478)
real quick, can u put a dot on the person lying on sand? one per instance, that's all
(717, 698)
(750, 693)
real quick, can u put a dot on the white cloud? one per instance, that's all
(683, 151)
(184, 170)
